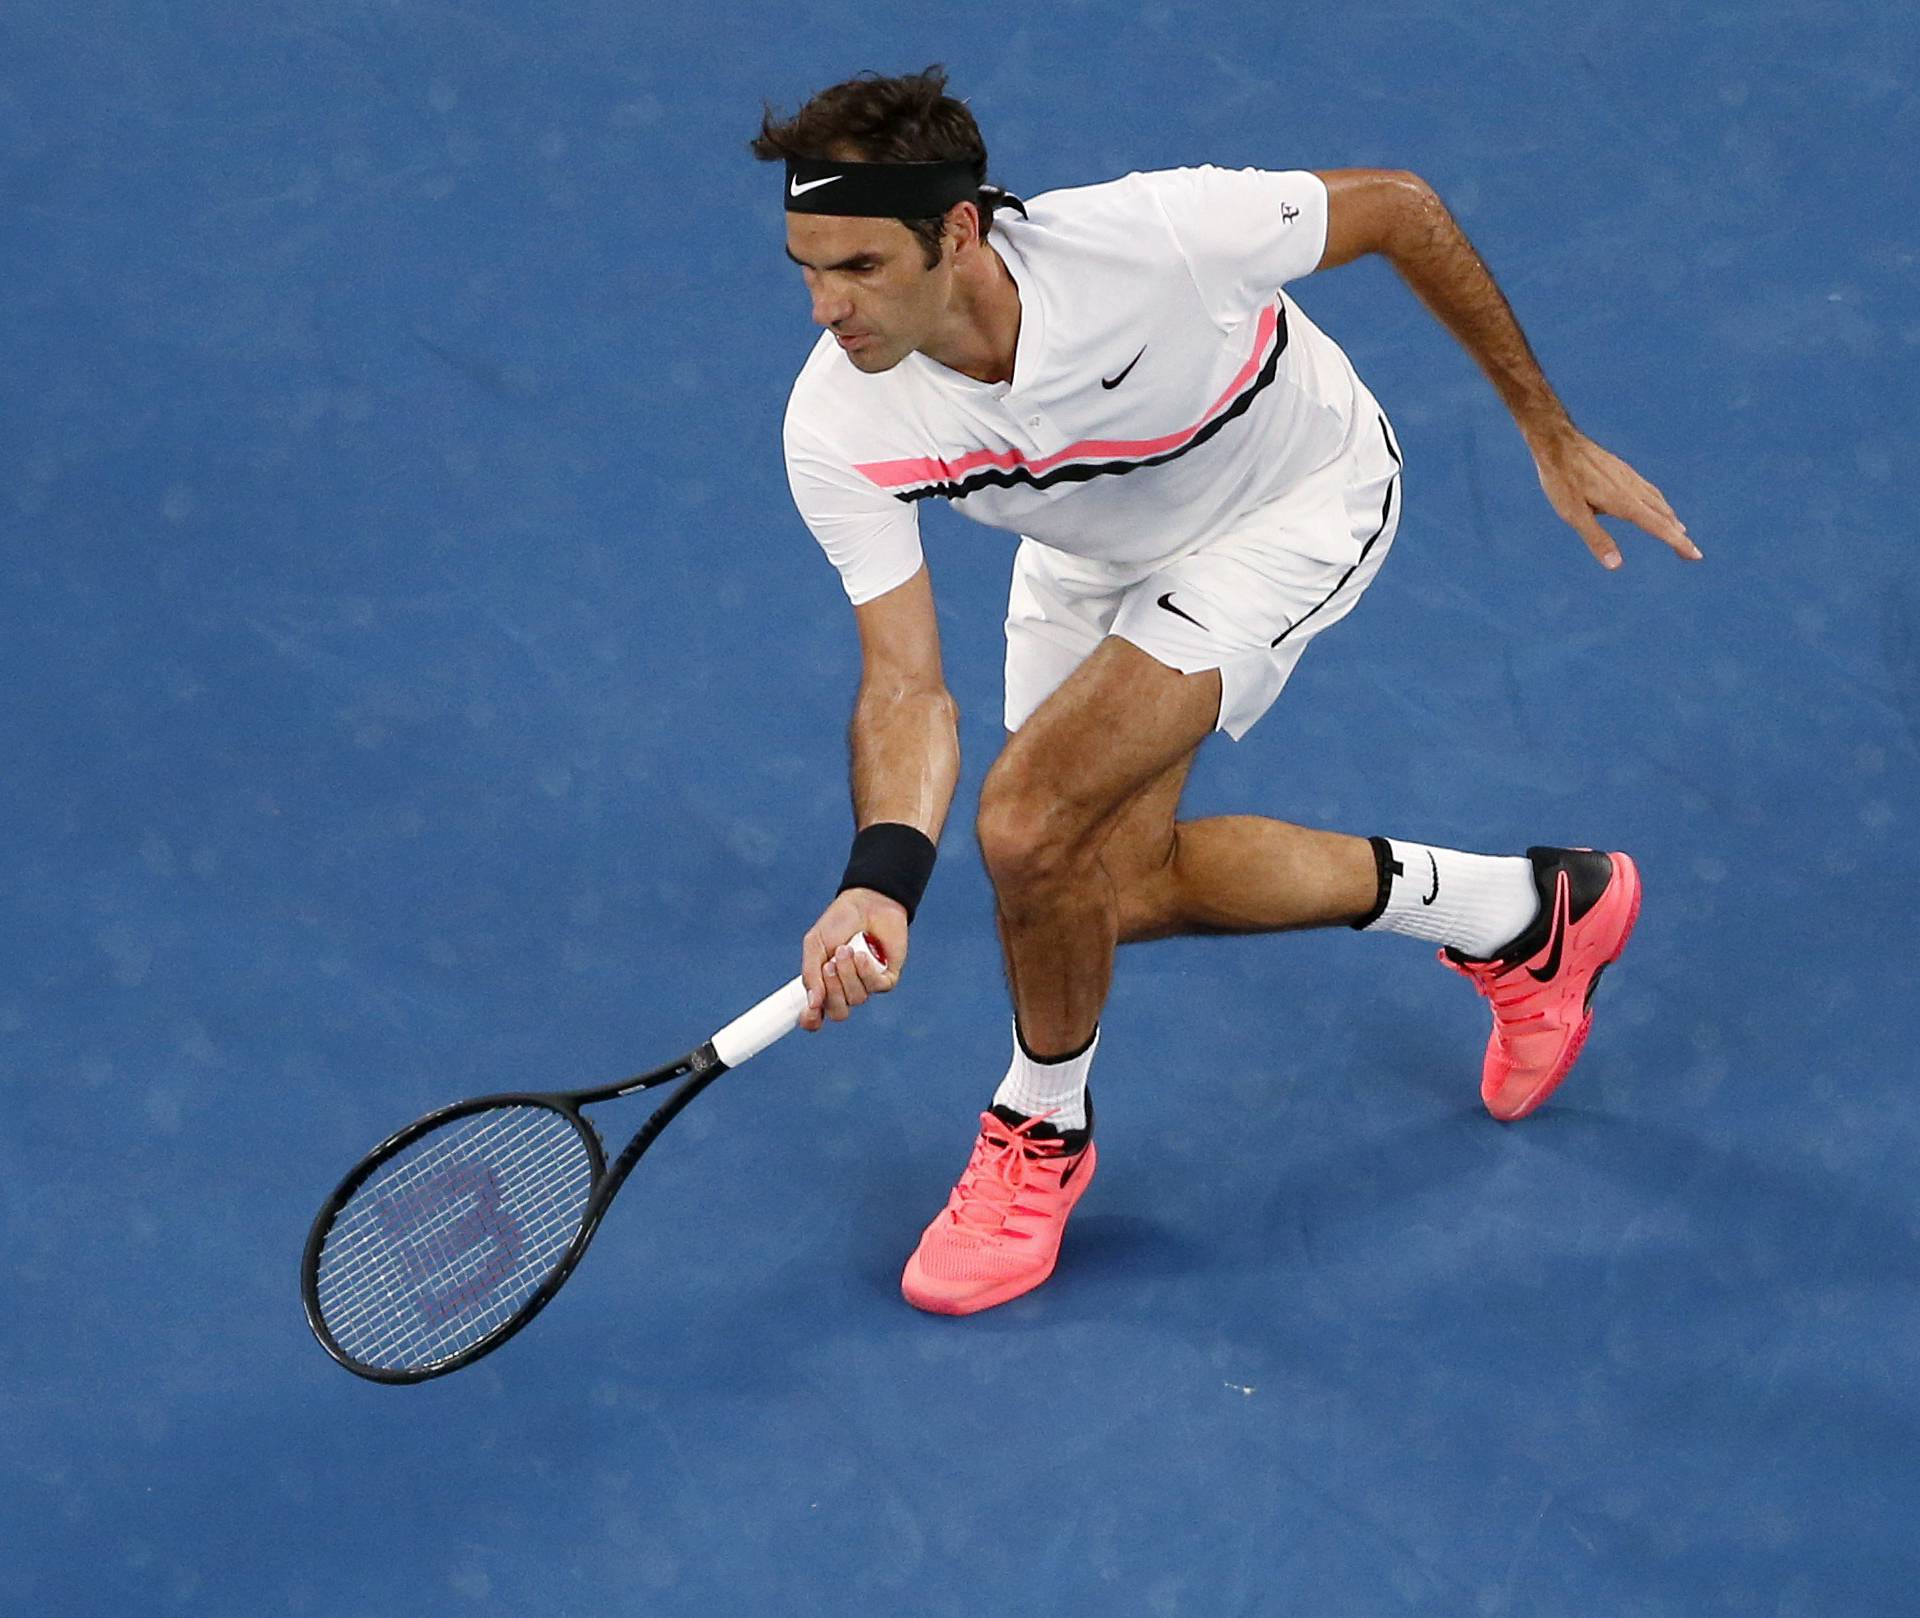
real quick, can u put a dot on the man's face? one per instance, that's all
(870, 285)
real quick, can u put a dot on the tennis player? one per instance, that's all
(1200, 485)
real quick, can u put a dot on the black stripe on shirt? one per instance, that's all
(1086, 471)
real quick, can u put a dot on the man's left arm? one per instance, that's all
(1398, 216)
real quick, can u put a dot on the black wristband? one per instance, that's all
(892, 859)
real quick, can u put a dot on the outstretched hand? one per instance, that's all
(1583, 481)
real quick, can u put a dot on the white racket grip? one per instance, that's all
(774, 1018)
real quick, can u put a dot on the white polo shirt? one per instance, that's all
(1163, 385)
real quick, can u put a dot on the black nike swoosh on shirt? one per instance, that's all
(1167, 602)
(1115, 381)
(1561, 897)
(948, 487)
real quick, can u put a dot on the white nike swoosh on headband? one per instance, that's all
(795, 188)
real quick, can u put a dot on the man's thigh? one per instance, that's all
(1246, 604)
(1059, 609)
(1117, 732)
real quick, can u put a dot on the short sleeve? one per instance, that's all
(1244, 232)
(872, 538)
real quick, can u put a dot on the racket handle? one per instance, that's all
(774, 1018)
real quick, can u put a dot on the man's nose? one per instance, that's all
(829, 307)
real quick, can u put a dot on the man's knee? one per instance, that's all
(1031, 834)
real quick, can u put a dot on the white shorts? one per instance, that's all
(1245, 603)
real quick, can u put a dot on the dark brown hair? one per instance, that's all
(871, 119)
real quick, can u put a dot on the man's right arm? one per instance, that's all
(904, 742)
(905, 736)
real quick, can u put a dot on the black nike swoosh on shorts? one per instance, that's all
(1167, 602)
(1115, 381)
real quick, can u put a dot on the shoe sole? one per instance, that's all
(1574, 1046)
(935, 1304)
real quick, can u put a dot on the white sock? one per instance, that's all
(1476, 903)
(1034, 1087)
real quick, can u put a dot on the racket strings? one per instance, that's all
(369, 1216)
(456, 1247)
(447, 1240)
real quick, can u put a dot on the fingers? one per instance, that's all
(813, 958)
(1674, 534)
(873, 976)
(851, 978)
(1666, 527)
(839, 978)
(846, 988)
(1648, 509)
(1600, 542)
(1670, 531)
(1591, 481)
(885, 924)
(1656, 517)
(1579, 515)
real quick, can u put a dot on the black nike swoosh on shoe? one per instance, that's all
(1072, 1168)
(1436, 879)
(1115, 381)
(1558, 937)
(1167, 602)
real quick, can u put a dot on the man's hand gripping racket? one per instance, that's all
(839, 979)
(450, 1236)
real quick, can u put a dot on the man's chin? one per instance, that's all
(872, 360)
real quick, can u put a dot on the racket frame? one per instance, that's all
(698, 1068)
(761, 1025)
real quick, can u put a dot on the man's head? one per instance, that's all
(883, 283)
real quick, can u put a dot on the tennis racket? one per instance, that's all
(450, 1236)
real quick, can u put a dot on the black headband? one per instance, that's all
(880, 190)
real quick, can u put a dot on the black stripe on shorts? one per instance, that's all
(1386, 510)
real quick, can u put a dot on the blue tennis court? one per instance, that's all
(418, 683)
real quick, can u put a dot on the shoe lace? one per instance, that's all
(989, 1190)
(1507, 986)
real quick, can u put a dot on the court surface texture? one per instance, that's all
(418, 683)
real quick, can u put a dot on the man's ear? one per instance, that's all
(962, 228)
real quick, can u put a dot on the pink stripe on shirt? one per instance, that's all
(931, 469)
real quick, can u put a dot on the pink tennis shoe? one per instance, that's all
(999, 1234)
(1542, 984)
